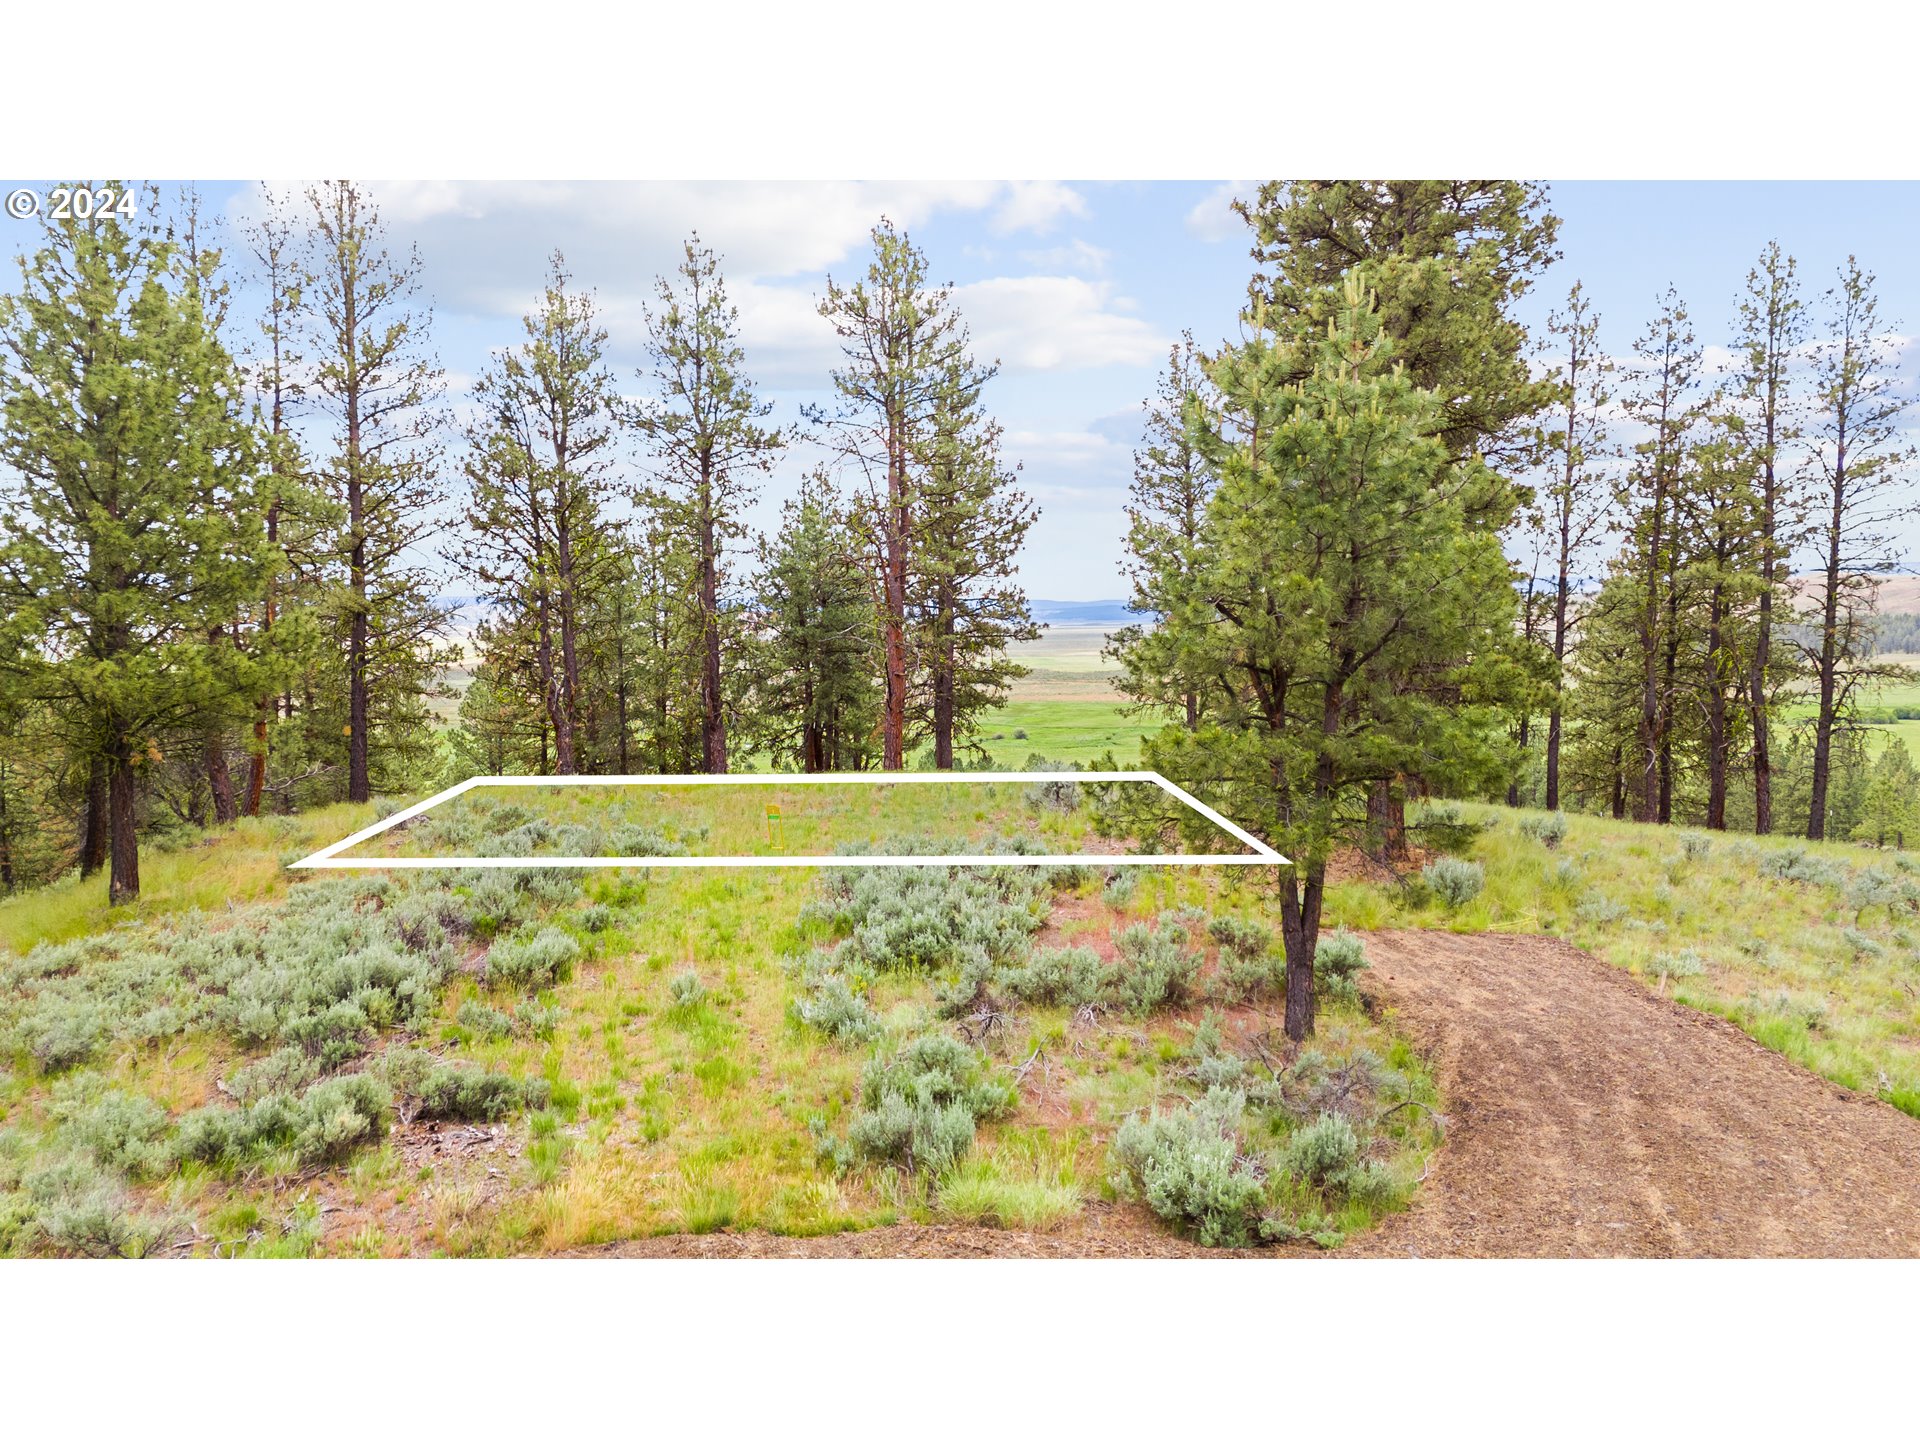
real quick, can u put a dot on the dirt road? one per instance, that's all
(1587, 1116)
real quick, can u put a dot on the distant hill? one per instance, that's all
(1898, 594)
(1082, 612)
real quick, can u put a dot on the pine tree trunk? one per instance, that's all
(893, 731)
(1513, 785)
(93, 834)
(1559, 673)
(1716, 722)
(123, 884)
(1647, 807)
(553, 697)
(569, 650)
(359, 782)
(943, 690)
(1762, 656)
(713, 723)
(1386, 822)
(1300, 934)
(1669, 672)
(219, 780)
(6, 842)
(1829, 651)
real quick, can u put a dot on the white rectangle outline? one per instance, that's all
(326, 859)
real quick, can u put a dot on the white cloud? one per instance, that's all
(1054, 322)
(1076, 257)
(1213, 218)
(1036, 205)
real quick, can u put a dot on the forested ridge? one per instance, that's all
(1384, 544)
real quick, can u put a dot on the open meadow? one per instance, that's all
(535, 1061)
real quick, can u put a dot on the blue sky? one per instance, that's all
(1078, 289)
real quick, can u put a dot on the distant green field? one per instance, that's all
(1067, 707)
(1081, 730)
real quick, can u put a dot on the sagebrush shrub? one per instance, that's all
(1119, 887)
(1157, 966)
(833, 1007)
(539, 1018)
(1795, 863)
(1320, 1151)
(325, 1123)
(120, 1131)
(1549, 829)
(1455, 881)
(1696, 847)
(686, 990)
(1341, 954)
(74, 1208)
(539, 957)
(642, 840)
(1191, 1168)
(1250, 966)
(1067, 975)
(1676, 965)
(426, 1087)
(285, 1071)
(968, 988)
(919, 1108)
(1373, 1185)
(931, 918)
(1860, 945)
(485, 1021)
(1058, 795)
(1596, 909)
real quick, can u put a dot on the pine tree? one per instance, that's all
(1361, 625)
(132, 533)
(296, 515)
(708, 443)
(1862, 488)
(1663, 401)
(540, 452)
(1772, 326)
(1573, 501)
(905, 347)
(1718, 532)
(1448, 259)
(1890, 810)
(1172, 485)
(968, 604)
(374, 377)
(816, 706)
(1604, 691)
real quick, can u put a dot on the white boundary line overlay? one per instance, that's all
(329, 858)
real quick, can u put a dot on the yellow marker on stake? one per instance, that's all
(776, 829)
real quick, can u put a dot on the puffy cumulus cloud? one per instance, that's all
(486, 242)
(1213, 218)
(1036, 205)
(1055, 322)
(485, 247)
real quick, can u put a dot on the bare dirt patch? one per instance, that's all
(1589, 1116)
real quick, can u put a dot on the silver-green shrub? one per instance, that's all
(1548, 829)
(1454, 880)
(1191, 1167)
